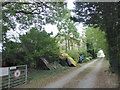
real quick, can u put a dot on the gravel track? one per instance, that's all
(88, 81)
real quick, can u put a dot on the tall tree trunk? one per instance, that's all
(113, 49)
(72, 45)
(66, 44)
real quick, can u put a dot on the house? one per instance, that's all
(71, 43)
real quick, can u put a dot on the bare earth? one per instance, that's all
(91, 75)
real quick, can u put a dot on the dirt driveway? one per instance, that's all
(90, 75)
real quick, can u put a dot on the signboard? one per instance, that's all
(4, 71)
(17, 73)
(11, 68)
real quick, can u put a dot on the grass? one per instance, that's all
(81, 64)
(41, 74)
(40, 78)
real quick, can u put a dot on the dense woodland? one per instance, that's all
(102, 31)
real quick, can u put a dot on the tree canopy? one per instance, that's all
(29, 14)
(34, 45)
(103, 15)
(97, 38)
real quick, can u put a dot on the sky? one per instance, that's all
(53, 28)
(70, 4)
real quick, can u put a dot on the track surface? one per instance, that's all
(83, 77)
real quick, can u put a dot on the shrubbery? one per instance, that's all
(74, 54)
(34, 45)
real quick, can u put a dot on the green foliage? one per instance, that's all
(67, 29)
(83, 52)
(12, 54)
(28, 14)
(34, 44)
(74, 54)
(96, 39)
(40, 44)
(105, 16)
(88, 58)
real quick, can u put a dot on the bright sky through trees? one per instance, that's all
(53, 28)
(70, 4)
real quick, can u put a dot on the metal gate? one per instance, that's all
(13, 76)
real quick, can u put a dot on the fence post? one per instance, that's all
(26, 75)
(8, 77)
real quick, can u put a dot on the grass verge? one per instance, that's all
(40, 74)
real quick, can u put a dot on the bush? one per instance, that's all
(74, 54)
(83, 53)
(34, 45)
(88, 58)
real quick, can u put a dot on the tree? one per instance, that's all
(28, 14)
(40, 44)
(34, 45)
(67, 29)
(105, 16)
(13, 54)
(96, 39)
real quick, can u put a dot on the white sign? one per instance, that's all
(17, 73)
(11, 68)
(4, 71)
